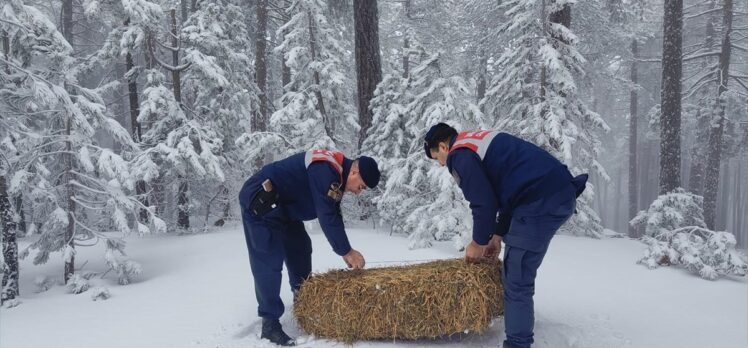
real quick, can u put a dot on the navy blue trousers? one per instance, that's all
(273, 240)
(531, 230)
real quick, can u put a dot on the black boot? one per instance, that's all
(273, 331)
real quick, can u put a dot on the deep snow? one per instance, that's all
(196, 291)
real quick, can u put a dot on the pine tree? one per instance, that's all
(219, 89)
(89, 192)
(315, 110)
(184, 142)
(126, 41)
(534, 95)
(368, 66)
(672, 72)
(676, 234)
(419, 198)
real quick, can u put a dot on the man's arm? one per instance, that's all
(478, 191)
(321, 176)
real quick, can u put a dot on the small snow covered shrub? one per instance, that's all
(100, 293)
(126, 269)
(11, 303)
(43, 283)
(675, 234)
(671, 211)
(77, 284)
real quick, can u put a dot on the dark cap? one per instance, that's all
(436, 134)
(369, 171)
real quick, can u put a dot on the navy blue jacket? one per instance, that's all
(512, 172)
(303, 195)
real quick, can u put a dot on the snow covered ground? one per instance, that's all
(196, 291)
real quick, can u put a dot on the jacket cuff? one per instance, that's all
(502, 227)
(343, 250)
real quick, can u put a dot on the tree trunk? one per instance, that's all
(285, 69)
(67, 32)
(406, 41)
(482, 77)
(698, 153)
(183, 5)
(672, 72)
(406, 57)
(633, 134)
(742, 206)
(368, 65)
(317, 93)
(619, 194)
(714, 155)
(259, 121)
(735, 198)
(135, 129)
(183, 199)
(10, 246)
(696, 172)
(562, 17)
(175, 73)
(21, 225)
(224, 193)
(67, 20)
(70, 193)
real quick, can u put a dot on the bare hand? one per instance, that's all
(475, 252)
(493, 249)
(354, 259)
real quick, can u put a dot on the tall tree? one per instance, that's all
(67, 32)
(702, 88)
(670, 119)
(86, 197)
(714, 157)
(9, 264)
(414, 189)
(368, 65)
(8, 130)
(184, 142)
(534, 94)
(315, 110)
(221, 90)
(633, 135)
(126, 41)
(176, 69)
(259, 119)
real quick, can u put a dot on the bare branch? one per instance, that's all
(745, 49)
(702, 55)
(718, 9)
(163, 64)
(173, 49)
(738, 80)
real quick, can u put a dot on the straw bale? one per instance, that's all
(427, 300)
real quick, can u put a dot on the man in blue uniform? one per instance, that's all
(274, 203)
(532, 193)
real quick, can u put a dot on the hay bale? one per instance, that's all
(427, 300)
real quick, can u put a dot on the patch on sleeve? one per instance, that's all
(456, 177)
(334, 192)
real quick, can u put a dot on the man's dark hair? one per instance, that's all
(437, 134)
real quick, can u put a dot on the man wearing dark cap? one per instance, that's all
(530, 191)
(274, 203)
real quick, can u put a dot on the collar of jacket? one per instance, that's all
(347, 163)
(449, 162)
